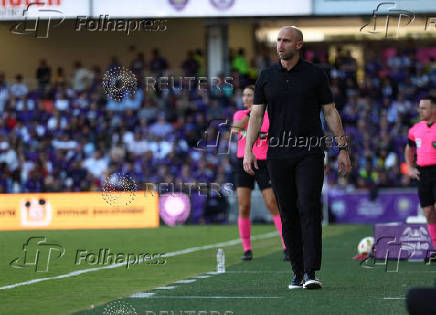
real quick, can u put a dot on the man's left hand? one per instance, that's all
(344, 163)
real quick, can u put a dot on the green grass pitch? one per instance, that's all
(254, 287)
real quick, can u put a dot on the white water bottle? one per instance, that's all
(221, 261)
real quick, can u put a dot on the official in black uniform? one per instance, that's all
(294, 92)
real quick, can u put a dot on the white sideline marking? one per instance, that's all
(214, 297)
(185, 281)
(171, 254)
(259, 271)
(141, 295)
(394, 298)
(201, 277)
(170, 287)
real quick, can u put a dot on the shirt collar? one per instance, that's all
(297, 66)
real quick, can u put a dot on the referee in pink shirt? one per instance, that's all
(245, 181)
(422, 139)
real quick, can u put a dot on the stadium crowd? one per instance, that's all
(67, 135)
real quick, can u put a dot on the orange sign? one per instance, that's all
(80, 210)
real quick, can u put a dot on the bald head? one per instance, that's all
(294, 30)
(289, 42)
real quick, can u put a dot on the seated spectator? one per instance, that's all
(134, 101)
(96, 165)
(82, 77)
(61, 103)
(190, 66)
(161, 127)
(87, 136)
(158, 64)
(19, 89)
(138, 65)
(4, 91)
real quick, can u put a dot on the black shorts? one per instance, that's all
(243, 179)
(427, 185)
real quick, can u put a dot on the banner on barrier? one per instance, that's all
(402, 241)
(358, 207)
(80, 210)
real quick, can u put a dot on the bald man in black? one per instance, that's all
(294, 92)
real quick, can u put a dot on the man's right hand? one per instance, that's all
(249, 159)
(413, 172)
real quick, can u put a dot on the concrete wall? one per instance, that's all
(21, 53)
(241, 34)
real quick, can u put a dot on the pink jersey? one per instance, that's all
(260, 147)
(425, 140)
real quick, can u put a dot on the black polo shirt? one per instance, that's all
(293, 99)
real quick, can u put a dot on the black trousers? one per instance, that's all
(421, 301)
(297, 184)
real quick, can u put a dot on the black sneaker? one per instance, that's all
(248, 255)
(296, 283)
(430, 258)
(311, 282)
(286, 255)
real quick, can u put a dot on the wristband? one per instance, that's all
(263, 135)
(345, 148)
